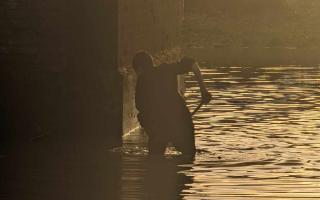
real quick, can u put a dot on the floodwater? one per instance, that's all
(258, 139)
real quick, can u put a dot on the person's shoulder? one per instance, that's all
(175, 68)
(163, 67)
(187, 61)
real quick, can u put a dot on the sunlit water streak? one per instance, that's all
(263, 125)
(258, 139)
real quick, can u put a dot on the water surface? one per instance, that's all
(258, 139)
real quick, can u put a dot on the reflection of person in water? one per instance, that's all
(166, 179)
(162, 111)
(157, 178)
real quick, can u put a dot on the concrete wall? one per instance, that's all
(59, 74)
(153, 26)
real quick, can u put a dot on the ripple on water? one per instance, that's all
(262, 138)
(258, 139)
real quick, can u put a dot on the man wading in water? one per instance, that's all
(162, 111)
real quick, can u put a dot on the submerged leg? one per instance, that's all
(184, 140)
(186, 145)
(157, 145)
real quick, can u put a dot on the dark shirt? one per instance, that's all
(157, 96)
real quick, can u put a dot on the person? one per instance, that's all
(162, 110)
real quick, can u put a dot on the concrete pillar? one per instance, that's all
(61, 64)
(153, 26)
(59, 72)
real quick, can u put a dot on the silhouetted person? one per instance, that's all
(162, 111)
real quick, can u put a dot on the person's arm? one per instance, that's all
(206, 96)
(186, 65)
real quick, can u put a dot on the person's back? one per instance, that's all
(162, 111)
(157, 92)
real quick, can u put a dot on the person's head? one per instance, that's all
(142, 62)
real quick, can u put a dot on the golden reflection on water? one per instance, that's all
(264, 123)
(258, 139)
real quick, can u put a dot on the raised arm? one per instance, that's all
(205, 95)
(184, 66)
